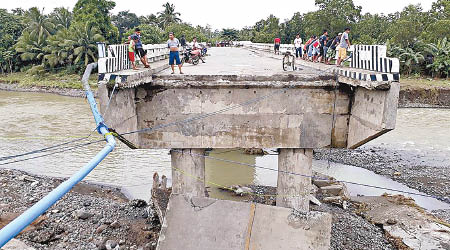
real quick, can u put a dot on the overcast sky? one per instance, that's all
(224, 14)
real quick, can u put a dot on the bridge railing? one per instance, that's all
(113, 58)
(366, 57)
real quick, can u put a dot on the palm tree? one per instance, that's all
(31, 47)
(61, 18)
(39, 25)
(410, 58)
(59, 49)
(84, 45)
(151, 19)
(168, 15)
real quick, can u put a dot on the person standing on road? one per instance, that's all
(335, 44)
(138, 47)
(323, 41)
(173, 44)
(131, 49)
(298, 46)
(277, 42)
(183, 41)
(343, 46)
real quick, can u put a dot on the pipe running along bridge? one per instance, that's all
(242, 98)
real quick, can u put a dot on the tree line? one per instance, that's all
(66, 40)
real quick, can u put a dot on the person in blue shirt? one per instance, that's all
(323, 41)
(138, 47)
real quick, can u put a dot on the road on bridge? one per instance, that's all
(238, 61)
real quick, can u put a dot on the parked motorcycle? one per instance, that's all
(191, 56)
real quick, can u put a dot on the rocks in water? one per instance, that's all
(255, 151)
(239, 190)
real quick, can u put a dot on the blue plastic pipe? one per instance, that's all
(17, 225)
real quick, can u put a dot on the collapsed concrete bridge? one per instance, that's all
(241, 98)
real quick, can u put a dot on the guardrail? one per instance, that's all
(367, 57)
(113, 58)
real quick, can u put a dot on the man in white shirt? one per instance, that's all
(343, 46)
(298, 46)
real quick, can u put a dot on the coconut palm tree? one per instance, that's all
(84, 45)
(59, 49)
(31, 47)
(168, 15)
(151, 19)
(38, 24)
(61, 18)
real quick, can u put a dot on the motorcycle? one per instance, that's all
(191, 56)
(204, 50)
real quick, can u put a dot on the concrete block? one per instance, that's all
(332, 190)
(280, 228)
(203, 223)
(321, 183)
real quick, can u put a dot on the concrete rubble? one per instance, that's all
(403, 220)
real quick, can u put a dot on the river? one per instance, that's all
(31, 121)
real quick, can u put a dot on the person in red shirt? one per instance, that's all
(277, 42)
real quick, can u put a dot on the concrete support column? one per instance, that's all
(293, 190)
(188, 171)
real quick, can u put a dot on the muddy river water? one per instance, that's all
(30, 121)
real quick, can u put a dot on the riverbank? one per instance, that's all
(88, 217)
(57, 83)
(414, 92)
(421, 92)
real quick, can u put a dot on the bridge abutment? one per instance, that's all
(293, 189)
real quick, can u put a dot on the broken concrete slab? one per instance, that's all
(280, 228)
(416, 228)
(322, 182)
(334, 190)
(203, 223)
(193, 224)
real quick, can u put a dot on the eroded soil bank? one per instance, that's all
(88, 217)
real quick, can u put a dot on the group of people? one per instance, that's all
(135, 48)
(317, 49)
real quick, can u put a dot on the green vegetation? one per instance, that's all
(64, 42)
(52, 80)
(423, 83)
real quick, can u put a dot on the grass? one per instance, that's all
(423, 83)
(52, 80)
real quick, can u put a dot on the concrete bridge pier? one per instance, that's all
(293, 190)
(188, 172)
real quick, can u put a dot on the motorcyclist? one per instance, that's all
(196, 50)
